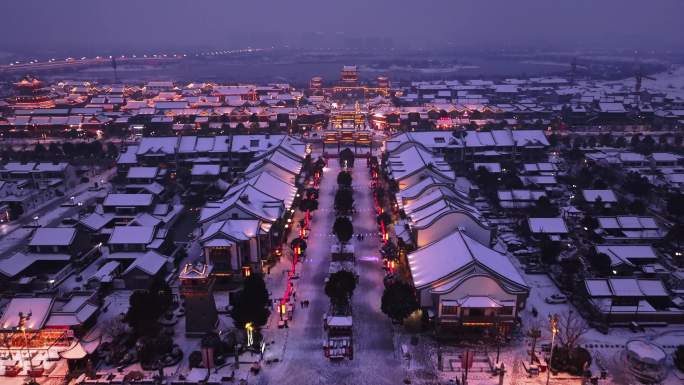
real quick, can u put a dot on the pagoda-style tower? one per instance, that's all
(197, 288)
(316, 83)
(383, 82)
(349, 76)
(31, 94)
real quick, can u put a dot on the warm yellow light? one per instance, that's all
(250, 333)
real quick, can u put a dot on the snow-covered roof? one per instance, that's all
(39, 308)
(627, 253)
(520, 195)
(254, 143)
(95, 221)
(205, 169)
(547, 225)
(598, 288)
(275, 187)
(278, 157)
(454, 252)
(17, 263)
(627, 222)
(129, 156)
(665, 157)
(339, 321)
(142, 172)
(106, 272)
(249, 199)
(415, 158)
(542, 180)
(612, 107)
(158, 144)
(499, 139)
(234, 229)
(128, 200)
(625, 287)
(19, 167)
(607, 196)
(131, 235)
(51, 167)
(53, 236)
(150, 263)
(631, 157)
(75, 312)
(197, 144)
(540, 167)
(145, 219)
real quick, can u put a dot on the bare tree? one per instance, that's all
(571, 327)
(533, 332)
(114, 328)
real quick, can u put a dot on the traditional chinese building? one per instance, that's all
(349, 76)
(197, 285)
(316, 83)
(31, 94)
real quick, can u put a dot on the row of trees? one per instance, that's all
(344, 197)
(640, 143)
(56, 151)
(399, 299)
(341, 284)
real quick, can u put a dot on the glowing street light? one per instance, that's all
(250, 333)
(553, 321)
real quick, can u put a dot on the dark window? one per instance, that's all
(476, 312)
(449, 310)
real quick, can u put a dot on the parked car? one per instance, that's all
(556, 299)
(69, 221)
(635, 327)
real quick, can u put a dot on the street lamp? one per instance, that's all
(22, 326)
(250, 334)
(553, 320)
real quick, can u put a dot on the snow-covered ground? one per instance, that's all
(670, 82)
(375, 361)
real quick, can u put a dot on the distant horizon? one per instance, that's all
(367, 44)
(86, 25)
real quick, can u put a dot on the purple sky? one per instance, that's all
(234, 23)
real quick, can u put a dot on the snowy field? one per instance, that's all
(670, 82)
